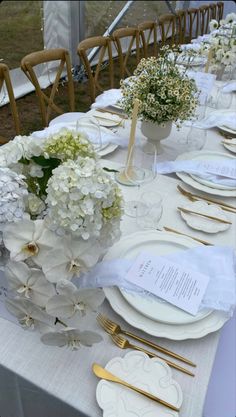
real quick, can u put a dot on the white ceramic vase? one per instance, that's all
(155, 133)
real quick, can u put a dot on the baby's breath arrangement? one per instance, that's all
(164, 90)
(59, 212)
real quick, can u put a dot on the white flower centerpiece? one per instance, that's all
(222, 44)
(59, 212)
(165, 93)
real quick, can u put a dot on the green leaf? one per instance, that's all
(43, 162)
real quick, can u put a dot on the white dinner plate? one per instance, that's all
(157, 243)
(198, 183)
(109, 148)
(206, 155)
(106, 119)
(201, 328)
(149, 374)
(203, 223)
(227, 130)
(230, 145)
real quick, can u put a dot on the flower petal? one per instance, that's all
(16, 235)
(17, 273)
(60, 306)
(54, 339)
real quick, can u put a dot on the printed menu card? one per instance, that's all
(183, 287)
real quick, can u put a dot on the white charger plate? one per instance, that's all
(194, 182)
(151, 375)
(203, 223)
(157, 243)
(201, 328)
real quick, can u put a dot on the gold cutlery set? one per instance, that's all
(115, 331)
(194, 197)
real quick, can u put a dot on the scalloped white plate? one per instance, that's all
(159, 243)
(230, 145)
(151, 375)
(194, 182)
(203, 223)
(201, 328)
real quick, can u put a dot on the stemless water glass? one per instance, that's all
(90, 126)
(149, 218)
(196, 138)
(140, 169)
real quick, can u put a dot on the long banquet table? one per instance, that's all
(38, 380)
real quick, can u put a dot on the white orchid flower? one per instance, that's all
(30, 283)
(70, 300)
(71, 338)
(28, 238)
(29, 315)
(75, 256)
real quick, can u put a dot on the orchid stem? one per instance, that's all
(61, 322)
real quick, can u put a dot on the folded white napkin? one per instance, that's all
(219, 263)
(229, 87)
(107, 98)
(190, 46)
(218, 118)
(202, 38)
(222, 171)
(107, 136)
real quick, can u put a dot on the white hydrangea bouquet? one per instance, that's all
(164, 90)
(221, 44)
(59, 212)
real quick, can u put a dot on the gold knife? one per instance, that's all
(184, 210)
(104, 374)
(168, 229)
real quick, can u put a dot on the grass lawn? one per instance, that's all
(20, 34)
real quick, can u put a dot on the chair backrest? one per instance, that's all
(220, 10)
(131, 36)
(47, 104)
(204, 16)
(193, 15)
(213, 10)
(167, 24)
(5, 78)
(181, 26)
(93, 73)
(148, 35)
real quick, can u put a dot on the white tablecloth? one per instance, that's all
(38, 380)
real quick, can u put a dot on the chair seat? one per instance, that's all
(66, 117)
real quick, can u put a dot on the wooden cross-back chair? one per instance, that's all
(181, 26)
(148, 35)
(220, 10)
(167, 24)
(5, 78)
(193, 16)
(47, 104)
(131, 34)
(213, 10)
(93, 73)
(204, 16)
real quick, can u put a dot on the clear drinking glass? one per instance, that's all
(149, 218)
(140, 169)
(90, 126)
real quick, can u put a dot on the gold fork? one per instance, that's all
(195, 197)
(123, 343)
(112, 328)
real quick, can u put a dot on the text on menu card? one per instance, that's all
(182, 287)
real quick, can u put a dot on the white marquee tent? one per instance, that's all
(65, 26)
